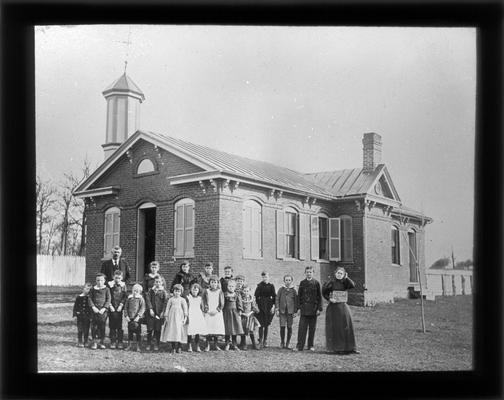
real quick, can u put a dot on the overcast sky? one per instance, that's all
(299, 97)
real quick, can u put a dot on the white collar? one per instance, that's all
(112, 283)
(99, 288)
(134, 297)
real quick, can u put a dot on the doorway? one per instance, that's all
(412, 256)
(146, 239)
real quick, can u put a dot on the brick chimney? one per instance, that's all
(371, 151)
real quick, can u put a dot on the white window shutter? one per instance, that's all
(256, 241)
(179, 231)
(247, 231)
(189, 230)
(280, 234)
(314, 238)
(302, 236)
(334, 239)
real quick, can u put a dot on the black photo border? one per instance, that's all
(18, 327)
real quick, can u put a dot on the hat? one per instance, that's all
(240, 277)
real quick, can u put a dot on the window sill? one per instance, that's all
(145, 174)
(323, 261)
(182, 257)
(290, 259)
(396, 265)
(253, 257)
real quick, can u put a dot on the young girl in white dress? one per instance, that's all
(197, 324)
(213, 302)
(174, 329)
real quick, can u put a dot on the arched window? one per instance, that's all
(111, 229)
(346, 238)
(145, 166)
(184, 228)
(252, 229)
(396, 253)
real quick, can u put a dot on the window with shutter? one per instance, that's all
(291, 234)
(303, 234)
(314, 238)
(280, 235)
(252, 229)
(334, 239)
(396, 255)
(111, 230)
(323, 223)
(346, 238)
(184, 228)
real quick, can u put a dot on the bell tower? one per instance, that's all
(123, 112)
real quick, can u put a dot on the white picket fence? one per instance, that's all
(449, 282)
(60, 270)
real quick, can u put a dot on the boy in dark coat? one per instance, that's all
(155, 304)
(118, 296)
(99, 301)
(310, 307)
(83, 312)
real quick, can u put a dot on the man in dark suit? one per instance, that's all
(310, 307)
(109, 266)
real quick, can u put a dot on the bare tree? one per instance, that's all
(72, 212)
(46, 200)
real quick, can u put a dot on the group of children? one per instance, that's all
(206, 306)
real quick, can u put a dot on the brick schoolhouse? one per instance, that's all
(165, 199)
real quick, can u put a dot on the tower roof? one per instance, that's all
(124, 85)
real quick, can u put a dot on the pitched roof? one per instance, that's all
(346, 182)
(124, 84)
(246, 167)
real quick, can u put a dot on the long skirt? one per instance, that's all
(232, 322)
(339, 328)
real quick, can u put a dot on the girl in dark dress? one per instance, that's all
(184, 278)
(231, 313)
(340, 337)
(265, 298)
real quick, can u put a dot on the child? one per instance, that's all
(134, 309)
(197, 324)
(174, 329)
(249, 321)
(117, 298)
(228, 274)
(310, 307)
(240, 281)
(265, 298)
(99, 301)
(184, 278)
(231, 313)
(213, 302)
(340, 337)
(149, 278)
(155, 303)
(204, 277)
(286, 307)
(83, 312)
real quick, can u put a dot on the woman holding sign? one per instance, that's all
(340, 337)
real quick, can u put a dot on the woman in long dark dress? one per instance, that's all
(340, 338)
(265, 296)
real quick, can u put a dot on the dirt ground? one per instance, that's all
(388, 336)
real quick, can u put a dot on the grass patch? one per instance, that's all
(388, 336)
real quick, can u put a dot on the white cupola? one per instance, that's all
(123, 112)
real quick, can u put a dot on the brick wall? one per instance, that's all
(384, 280)
(219, 230)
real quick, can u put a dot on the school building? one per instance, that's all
(162, 198)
